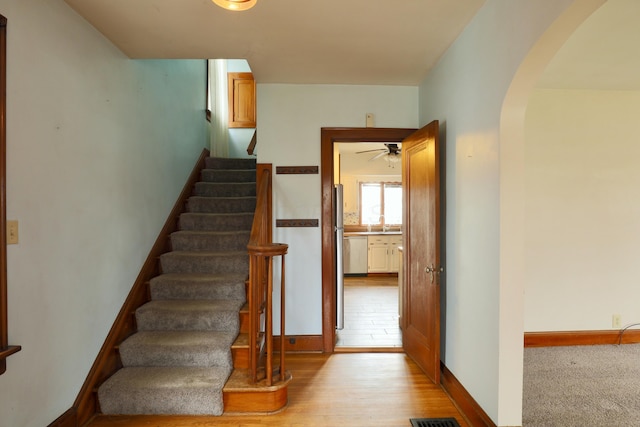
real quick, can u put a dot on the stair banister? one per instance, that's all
(252, 144)
(261, 254)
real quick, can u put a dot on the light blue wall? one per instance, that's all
(483, 310)
(98, 149)
(289, 121)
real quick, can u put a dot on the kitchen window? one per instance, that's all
(380, 203)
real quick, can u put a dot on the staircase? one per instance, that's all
(181, 357)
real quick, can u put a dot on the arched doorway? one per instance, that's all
(512, 199)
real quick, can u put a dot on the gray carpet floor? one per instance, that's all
(585, 386)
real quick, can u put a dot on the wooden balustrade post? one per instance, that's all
(269, 322)
(253, 318)
(282, 324)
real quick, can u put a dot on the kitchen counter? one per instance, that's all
(372, 233)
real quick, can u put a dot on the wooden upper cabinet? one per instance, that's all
(242, 100)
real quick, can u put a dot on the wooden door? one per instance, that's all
(421, 221)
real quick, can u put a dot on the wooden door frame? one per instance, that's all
(5, 349)
(328, 137)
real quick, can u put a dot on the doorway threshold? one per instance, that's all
(368, 350)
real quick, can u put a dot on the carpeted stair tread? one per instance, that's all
(178, 348)
(205, 262)
(211, 241)
(228, 175)
(224, 189)
(246, 204)
(164, 391)
(199, 286)
(193, 315)
(216, 221)
(227, 163)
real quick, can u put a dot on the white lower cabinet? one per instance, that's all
(383, 253)
(394, 257)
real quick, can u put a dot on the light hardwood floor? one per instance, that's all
(337, 390)
(371, 315)
(369, 381)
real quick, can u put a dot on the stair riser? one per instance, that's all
(170, 348)
(228, 175)
(244, 322)
(215, 189)
(211, 222)
(185, 290)
(242, 402)
(240, 358)
(223, 163)
(176, 356)
(193, 320)
(222, 204)
(154, 391)
(173, 262)
(209, 242)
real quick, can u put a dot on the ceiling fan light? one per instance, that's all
(392, 158)
(236, 5)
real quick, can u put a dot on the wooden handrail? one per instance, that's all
(261, 254)
(252, 145)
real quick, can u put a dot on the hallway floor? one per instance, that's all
(332, 390)
(371, 314)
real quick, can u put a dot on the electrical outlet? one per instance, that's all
(12, 232)
(616, 321)
(369, 120)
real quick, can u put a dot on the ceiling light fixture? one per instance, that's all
(236, 5)
(392, 159)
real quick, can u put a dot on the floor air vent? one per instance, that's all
(434, 422)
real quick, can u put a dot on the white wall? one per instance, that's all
(483, 311)
(582, 213)
(289, 121)
(98, 149)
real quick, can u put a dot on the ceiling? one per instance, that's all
(373, 42)
(377, 42)
(602, 54)
(351, 148)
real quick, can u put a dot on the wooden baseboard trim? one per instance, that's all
(568, 338)
(474, 414)
(300, 343)
(368, 350)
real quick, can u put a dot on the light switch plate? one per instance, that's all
(12, 232)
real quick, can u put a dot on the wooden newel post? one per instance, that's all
(261, 258)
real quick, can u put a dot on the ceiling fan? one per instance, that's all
(392, 151)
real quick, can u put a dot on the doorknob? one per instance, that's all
(433, 271)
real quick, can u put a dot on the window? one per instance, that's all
(380, 203)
